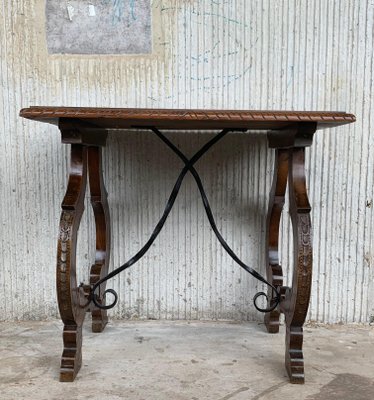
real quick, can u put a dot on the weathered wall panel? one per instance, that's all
(99, 27)
(256, 54)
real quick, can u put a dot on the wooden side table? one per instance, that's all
(86, 129)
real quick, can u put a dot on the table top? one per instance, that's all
(126, 118)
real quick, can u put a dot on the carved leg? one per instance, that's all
(102, 221)
(71, 298)
(276, 203)
(297, 298)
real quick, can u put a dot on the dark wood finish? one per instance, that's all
(297, 297)
(289, 168)
(71, 297)
(85, 160)
(276, 203)
(289, 133)
(100, 208)
(121, 118)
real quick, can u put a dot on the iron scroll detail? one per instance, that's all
(99, 301)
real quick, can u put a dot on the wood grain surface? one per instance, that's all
(120, 118)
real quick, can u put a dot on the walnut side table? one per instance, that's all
(86, 130)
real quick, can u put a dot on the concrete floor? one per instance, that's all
(185, 361)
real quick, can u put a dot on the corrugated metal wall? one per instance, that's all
(296, 54)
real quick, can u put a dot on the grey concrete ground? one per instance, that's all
(182, 360)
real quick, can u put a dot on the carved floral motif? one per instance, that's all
(65, 233)
(63, 257)
(304, 267)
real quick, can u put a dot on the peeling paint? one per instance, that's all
(91, 10)
(70, 9)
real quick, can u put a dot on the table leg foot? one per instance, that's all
(296, 301)
(71, 360)
(271, 321)
(276, 203)
(294, 354)
(100, 208)
(99, 320)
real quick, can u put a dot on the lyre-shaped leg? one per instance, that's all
(71, 298)
(276, 203)
(102, 221)
(297, 298)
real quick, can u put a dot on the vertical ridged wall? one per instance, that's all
(306, 55)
